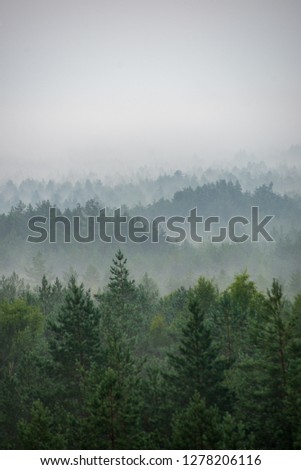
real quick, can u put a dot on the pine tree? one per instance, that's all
(51, 297)
(111, 418)
(267, 380)
(112, 405)
(120, 284)
(121, 318)
(157, 406)
(276, 333)
(74, 341)
(195, 368)
(58, 291)
(45, 296)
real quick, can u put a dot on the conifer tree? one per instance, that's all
(111, 418)
(197, 426)
(267, 380)
(74, 341)
(45, 296)
(195, 368)
(114, 408)
(121, 318)
(41, 431)
(20, 330)
(120, 284)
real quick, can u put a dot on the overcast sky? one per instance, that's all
(87, 85)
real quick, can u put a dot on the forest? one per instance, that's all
(127, 368)
(183, 116)
(152, 345)
(170, 265)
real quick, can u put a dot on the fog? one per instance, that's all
(108, 86)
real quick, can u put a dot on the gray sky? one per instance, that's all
(92, 85)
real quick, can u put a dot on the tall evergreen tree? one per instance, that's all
(120, 284)
(113, 405)
(121, 317)
(267, 379)
(112, 413)
(74, 341)
(196, 368)
(45, 296)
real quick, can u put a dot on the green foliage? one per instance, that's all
(75, 334)
(50, 298)
(238, 306)
(20, 324)
(197, 368)
(74, 344)
(41, 430)
(12, 288)
(267, 381)
(121, 316)
(112, 411)
(20, 329)
(120, 284)
(158, 331)
(157, 406)
(197, 426)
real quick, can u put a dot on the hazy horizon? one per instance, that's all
(111, 86)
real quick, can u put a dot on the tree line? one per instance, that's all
(139, 188)
(182, 264)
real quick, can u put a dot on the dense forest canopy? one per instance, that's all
(199, 368)
(182, 346)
